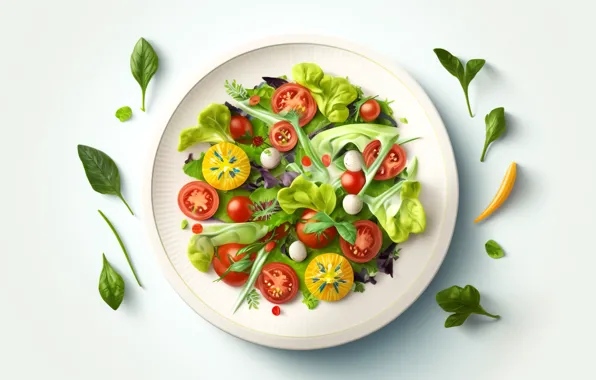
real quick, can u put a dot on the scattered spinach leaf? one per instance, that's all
(111, 285)
(452, 64)
(495, 127)
(101, 171)
(493, 249)
(124, 113)
(121, 245)
(143, 64)
(463, 302)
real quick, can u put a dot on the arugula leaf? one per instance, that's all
(495, 127)
(121, 246)
(465, 76)
(463, 302)
(111, 285)
(194, 168)
(124, 113)
(252, 299)
(309, 300)
(493, 249)
(143, 64)
(264, 195)
(101, 171)
(359, 287)
(323, 221)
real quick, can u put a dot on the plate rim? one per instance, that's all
(418, 286)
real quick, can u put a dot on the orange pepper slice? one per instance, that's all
(502, 193)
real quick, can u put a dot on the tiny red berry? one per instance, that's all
(326, 160)
(276, 310)
(257, 141)
(197, 228)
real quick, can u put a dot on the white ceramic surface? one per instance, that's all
(359, 314)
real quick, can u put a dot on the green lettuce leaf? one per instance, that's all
(305, 194)
(332, 94)
(213, 127)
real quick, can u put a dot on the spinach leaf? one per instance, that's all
(124, 113)
(101, 171)
(143, 64)
(495, 127)
(121, 246)
(194, 168)
(465, 76)
(111, 285)
(493, 249)
(463, 302)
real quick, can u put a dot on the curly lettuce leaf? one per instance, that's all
(332, 94)
(304, 194)
(213, 127)
(332, 141)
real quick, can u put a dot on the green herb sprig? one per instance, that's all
(345, 229)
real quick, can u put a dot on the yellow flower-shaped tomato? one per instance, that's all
(225, 166)
(329, 277)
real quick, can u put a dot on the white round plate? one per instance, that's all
(359, 314)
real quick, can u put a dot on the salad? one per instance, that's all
(310, 184)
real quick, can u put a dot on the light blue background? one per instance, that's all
(64, 71)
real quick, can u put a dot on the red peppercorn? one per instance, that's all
(276, 310)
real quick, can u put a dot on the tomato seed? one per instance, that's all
(276, 310)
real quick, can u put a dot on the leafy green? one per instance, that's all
(495, 127)
(399, 219)
(236, 90)
(463, 302)
(332, 94)
(253, 152)
(317, 122)
(493, 249)
(143, 64)
(121, 246)
(359, 287)
(387, 110)
(224, 199)
(101, 171)
(194, 168)
(111, 285)
(184, 224)
(265, 92)
(323, 221)
(304, 194)
(213, 127)
(452, 64)
(252, 299)
(124, 113)
(264, 195)
(239, 266)
(201, 248)
(309, 300)
(403, 120)
(252, 277)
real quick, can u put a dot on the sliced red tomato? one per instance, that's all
(241, 129)
(221, 263)
(294, 96)
(353, 182)
(278, 283)
(198, 200)
(367, 245)
(370, 110)
(393, 164)
(313, 240)
(240, 209)
(283, 136)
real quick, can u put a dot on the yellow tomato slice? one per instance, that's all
(225, 166)
(329, 277)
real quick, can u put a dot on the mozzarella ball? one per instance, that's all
(352, 204)
(297, 251)
(353, 161)
(270, 158)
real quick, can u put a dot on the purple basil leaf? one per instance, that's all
(364, 277)
(383, 115)
(288, 177)
(290, 156)
(269, 180)
(385, 260)
(352, 108)
(234, 109)
(189, 159)
(314, 133)
(275, 82)
(284, 249)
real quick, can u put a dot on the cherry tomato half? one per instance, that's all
(241, 129)
(353, 182)
(313, 240)
(278, 283)
(367, 245)
(222, 263)
(198, 200)
(370, 110)
(283, 136)
(294, 96)
(393, 164)
(240, 209)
